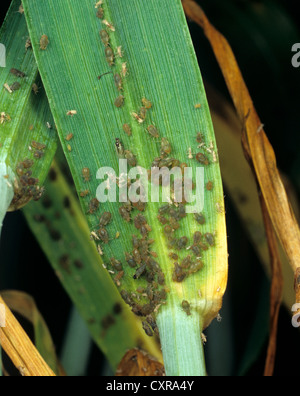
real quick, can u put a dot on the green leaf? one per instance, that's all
(151, 41)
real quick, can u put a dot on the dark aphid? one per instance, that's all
(140, 271)
(105, 219)
(15, 86)
(182, 243)
(65, 264)
(84, 193)
(173, 256)
(150, 319)
(17, 73)
(140, 206)
(44, 42)
(153, 131)
(135, 242)
(126, 297)
(166, 148)
(104, 37)
(127, 129)
(197, 237)
(178, 275)
(153, 265)
(119, 102)
(168, 230)
(130, 158)
(200, 157)
(143, 113)
(186, 307)
(199, 138)
(149, 292)
(186, 262)
(120, 148)
(93, 206)
(130, 260)
(161, 278)
(20, 169)
(103, 235)
(137, 256)
(86, 174)
(174, 224)
(100, 13)
(32, 181)
(117, 265)
(199, 217)
(38, 154)
(107, 322)
(118, 81)
(27, 163)
(139, 221)
(163, 220)
(210, 239)
(110, 57)
(125, 214)
(147, 104)
(209, 186)
(196, 267)
(164, 209)
(38, 146)
(196, 250)
(78, 264)
(147, 309)
(147, 329)
(203, 246)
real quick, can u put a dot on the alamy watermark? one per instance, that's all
(167, 186)
(2, 315)
(296, 317)
(296, 57)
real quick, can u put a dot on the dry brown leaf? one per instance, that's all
(20, 349)
(256, 143)
(137, 363)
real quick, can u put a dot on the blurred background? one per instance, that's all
(261, 33)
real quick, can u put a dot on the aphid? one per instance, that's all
(21, 9)
(69, 147)
(84, 193)
(196, 250)
(93, 206)
(210, 239)
(130, 158)
(147, 328)
(147, 104)
(120, 148)
(173, 256)
(119, 102)
(124, 69)
(99, 3)
(126, 297)
(178, 275)
(140, 271)
(65, 264)
(198, 106)
(139, 221)
(202, 159)
(147, 309)
(119, 52)
(182, 243)
(71, 113)
(15, 86)
(78, 264)
(197, 237)
(165, 147)
(162, 219)
(130, 260)
(143, 113)
(199, 137)
(8, 89)
(105, 219)
(109, 25)
(38, 154)
(86, 174)
(137, 256)
(186, 307)
(17, 73)
(35, 89)
(196, 267)
(28, 44)
(137, 117)
(209, 186)
(199, 217)
(104, 37)
(168, 230)
(203, 246)
(118, 277)
(110, 57)
(27, 163)
(117, 265)
(103, 235)
(127, 129)
(153, 131)
(100, 13)
(44, 42)
(125, 214)
(152, 323)
(4, 117)
(69, 137)
(161, 278)
(186, 262)
(118, 81)
(38, 146)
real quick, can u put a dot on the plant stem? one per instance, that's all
(181, 341)
(6, 191)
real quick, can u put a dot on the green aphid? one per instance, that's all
(186, 307)
(153, 131)
(119, 102)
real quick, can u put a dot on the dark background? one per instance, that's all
(261, 34)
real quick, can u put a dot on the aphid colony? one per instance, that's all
(26, 187)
